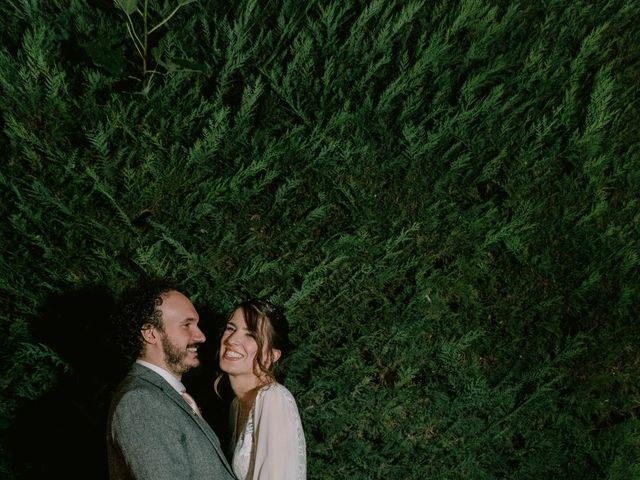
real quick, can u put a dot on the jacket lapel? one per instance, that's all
(152, 377)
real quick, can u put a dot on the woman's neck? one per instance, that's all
(246, 388)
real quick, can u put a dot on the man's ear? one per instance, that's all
(149, 333)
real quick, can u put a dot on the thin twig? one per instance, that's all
(132, 32)
(133, 36)
(170, 15)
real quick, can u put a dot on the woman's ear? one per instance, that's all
(275, 355)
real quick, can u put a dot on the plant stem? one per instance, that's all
(168, 17)
(146, 37)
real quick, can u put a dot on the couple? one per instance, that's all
(155, 430)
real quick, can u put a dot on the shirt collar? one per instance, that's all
(173, 381)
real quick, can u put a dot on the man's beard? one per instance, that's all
(174, 356)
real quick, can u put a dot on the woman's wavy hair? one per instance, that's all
(269, 325)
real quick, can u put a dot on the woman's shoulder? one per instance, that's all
(275, 390)
(275, 402)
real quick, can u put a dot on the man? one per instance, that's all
(153, 431)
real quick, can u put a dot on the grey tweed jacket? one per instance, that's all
(152, 434)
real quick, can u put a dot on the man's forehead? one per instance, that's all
(177, 303)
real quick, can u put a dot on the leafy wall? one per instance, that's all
(443, 195)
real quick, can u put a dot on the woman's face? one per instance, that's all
(238, 347)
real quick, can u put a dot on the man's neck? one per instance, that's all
(154, 365)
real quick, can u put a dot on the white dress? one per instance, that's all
(272, 444)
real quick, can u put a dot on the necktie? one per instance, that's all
(192, 403)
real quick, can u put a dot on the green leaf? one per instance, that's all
(189, 65)
(106, 56)
(127, 6)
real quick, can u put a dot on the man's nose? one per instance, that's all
(199, 336)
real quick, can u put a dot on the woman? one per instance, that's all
(267, 439)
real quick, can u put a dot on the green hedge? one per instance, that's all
(444, 196)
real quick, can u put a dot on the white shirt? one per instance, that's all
(173, 381)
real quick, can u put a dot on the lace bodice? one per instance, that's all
(272, 444)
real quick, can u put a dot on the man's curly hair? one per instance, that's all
(139, 307)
